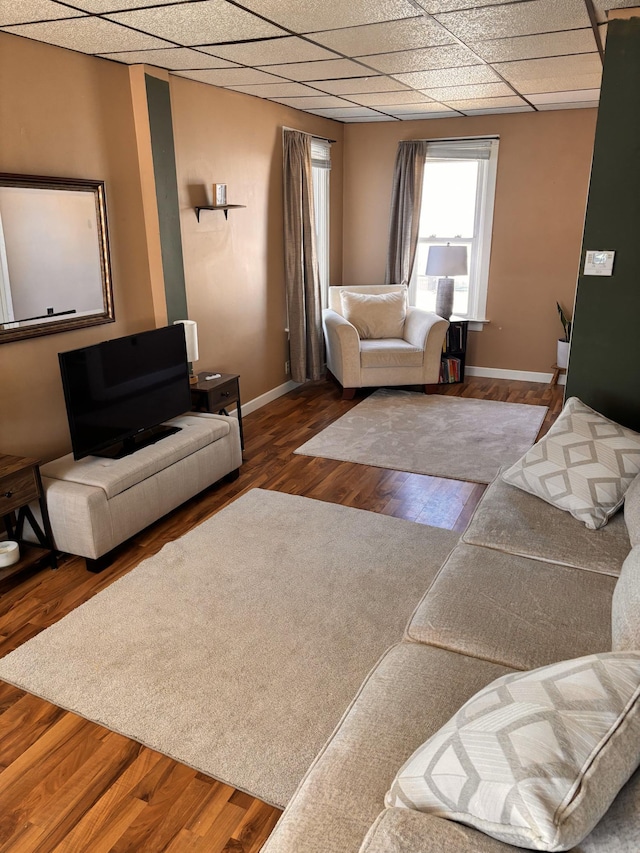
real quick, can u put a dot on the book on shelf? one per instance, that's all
(450, 370)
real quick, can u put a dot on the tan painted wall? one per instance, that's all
(543, 173)
(234, 268)
(68, 115)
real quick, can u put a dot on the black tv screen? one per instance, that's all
(119, 392)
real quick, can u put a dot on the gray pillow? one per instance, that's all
(625, 607)
(632, 511)
(583, 465)
(536, 758)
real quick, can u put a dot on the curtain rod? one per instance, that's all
(313, 135)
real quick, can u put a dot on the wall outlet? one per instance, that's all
(287, 368)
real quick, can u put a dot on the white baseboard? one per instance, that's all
(519, 375)
(263, 399)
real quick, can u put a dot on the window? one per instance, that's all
(321, 169)
(457, 208)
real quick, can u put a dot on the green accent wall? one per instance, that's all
(164, 167)
(604, 366)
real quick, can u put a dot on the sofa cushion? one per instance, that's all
(625, 615)
(114, 476)
(632, 511)
(513, 521)
(411, 692)
(375, 315)
(515, 611)
(390, 352)
(584, 464)
(534, 759)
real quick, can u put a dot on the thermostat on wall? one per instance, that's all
(598, 262)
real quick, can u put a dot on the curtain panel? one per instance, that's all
(300, 259)
(404, 220)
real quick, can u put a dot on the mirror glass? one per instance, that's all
(54, 256)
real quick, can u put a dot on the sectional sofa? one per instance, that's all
(527, 585)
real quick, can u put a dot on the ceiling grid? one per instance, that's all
(378, 60)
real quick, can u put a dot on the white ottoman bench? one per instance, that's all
(96, 503)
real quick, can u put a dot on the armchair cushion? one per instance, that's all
(376, 316)
(390, 352)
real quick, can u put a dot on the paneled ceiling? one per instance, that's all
(350, 60)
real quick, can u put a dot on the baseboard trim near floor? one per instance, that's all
(519, 375)
(263, 399)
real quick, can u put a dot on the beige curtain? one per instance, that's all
(404, 220)
(300, 260)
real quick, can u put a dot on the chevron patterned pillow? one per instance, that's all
(536, 758)
(583, 465)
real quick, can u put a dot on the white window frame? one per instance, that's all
(6, 303)
(321, 171)
(480, 254)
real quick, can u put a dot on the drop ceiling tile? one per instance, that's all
(461, 93)
(516, 19)
(267, 51)
(570, 105)
(88, 35)
(325, 69)
(357, 85)
(230, 76)
(553, 74)
(27, 11)
(198, 22)
(499, 111)
(534, 47)
(487, 103)
(315, 103)
(449, 5)
(380, 38)
(564, 97)
(444, 56)
(603, 6)
(420, 117)
(116, 5)
(425, 109)
(305, 16)
(172, 58)
(377, 99)
(345, 112)
(448, 77)
(277, 90)
(363, 119)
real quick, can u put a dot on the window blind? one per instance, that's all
(461, 149)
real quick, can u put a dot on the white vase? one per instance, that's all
(562, 358)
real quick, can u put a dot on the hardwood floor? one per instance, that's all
(69, 785)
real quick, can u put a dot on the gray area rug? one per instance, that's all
(454, 437)
(237, 648)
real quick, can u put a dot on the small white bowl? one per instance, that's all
(9, 554)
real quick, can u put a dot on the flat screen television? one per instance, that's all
(119, 392)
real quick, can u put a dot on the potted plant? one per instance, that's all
(562, 358)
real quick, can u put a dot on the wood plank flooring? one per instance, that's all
(68, 785)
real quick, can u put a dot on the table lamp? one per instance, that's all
(191, 337)
(446, 261)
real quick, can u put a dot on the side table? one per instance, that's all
(214, 395)
(20, 484)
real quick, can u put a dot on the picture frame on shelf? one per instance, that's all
(219, 194)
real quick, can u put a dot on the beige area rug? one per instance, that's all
(237, 648)
(454, 437)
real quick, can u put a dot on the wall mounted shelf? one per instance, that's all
(225, 207)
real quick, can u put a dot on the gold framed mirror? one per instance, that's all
(55, 272)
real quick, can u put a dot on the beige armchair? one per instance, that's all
(408, 353)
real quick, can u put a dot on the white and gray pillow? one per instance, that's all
(536, 758)
(625, 608)
(584, 464)
(376, 315)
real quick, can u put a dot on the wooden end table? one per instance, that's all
(214, 395)
(20, 484)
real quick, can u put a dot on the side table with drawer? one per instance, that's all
(214, 395)
(20, 484)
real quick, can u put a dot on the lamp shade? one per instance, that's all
(447, 260)
(191, 337)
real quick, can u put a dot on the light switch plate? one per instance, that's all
(598, 262)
